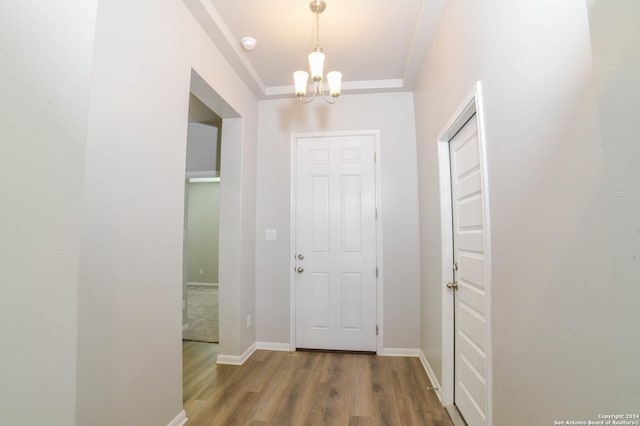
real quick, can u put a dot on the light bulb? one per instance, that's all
(300, 79)
(335, 81)
(316, 64)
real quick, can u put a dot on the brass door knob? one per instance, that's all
(300, 269)
(453, 285)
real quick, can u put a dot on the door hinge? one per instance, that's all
(376, 212)
(455, 266)
(377, 330)
(375, 157)
(377, 272)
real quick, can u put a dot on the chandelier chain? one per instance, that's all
(317, 29)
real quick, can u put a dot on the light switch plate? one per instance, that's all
(270, 234)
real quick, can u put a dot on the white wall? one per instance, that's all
(129, 358)
(615, 32)
(45, 64)
(392, 114)
(202, 148)
(236, 269)
(202, 232)
(561, 330)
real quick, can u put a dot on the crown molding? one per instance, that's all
(426, 21)
(213, 24)
(426, 24)
(348, 88)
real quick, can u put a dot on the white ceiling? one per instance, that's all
(378, 45)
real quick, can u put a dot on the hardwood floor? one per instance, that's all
(307, 388)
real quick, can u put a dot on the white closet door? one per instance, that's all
(470, 392)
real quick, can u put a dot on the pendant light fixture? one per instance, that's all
(316, 66)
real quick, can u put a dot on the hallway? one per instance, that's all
(94, 126)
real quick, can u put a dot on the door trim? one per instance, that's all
(472, 104)
(292, 230)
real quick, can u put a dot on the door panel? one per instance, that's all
(351, 214)
(319, 293)
(319, 214)
(335, 235)
(351, 302)
(470, 390)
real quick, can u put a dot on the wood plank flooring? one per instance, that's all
(307, 388)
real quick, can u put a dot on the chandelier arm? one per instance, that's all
(328, 100)
(304, 99)
(320, 91)
(307, 99)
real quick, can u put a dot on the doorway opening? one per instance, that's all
(201, 225)
(214, 135)
(466, 265)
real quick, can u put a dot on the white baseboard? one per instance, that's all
(185, 327)
(400, 352)
(270, 346)
(190, 284)
(235, 359)
(455, 415)
(432, 376)
(180, 419)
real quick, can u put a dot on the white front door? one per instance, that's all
(470, 372)
(335, 243)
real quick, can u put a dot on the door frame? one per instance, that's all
(472, 104)
(292, 232)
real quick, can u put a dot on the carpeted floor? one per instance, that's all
(202, 314)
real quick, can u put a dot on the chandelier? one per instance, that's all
(316, 65)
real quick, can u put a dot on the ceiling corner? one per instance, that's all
(426, 24)
(211, 21)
